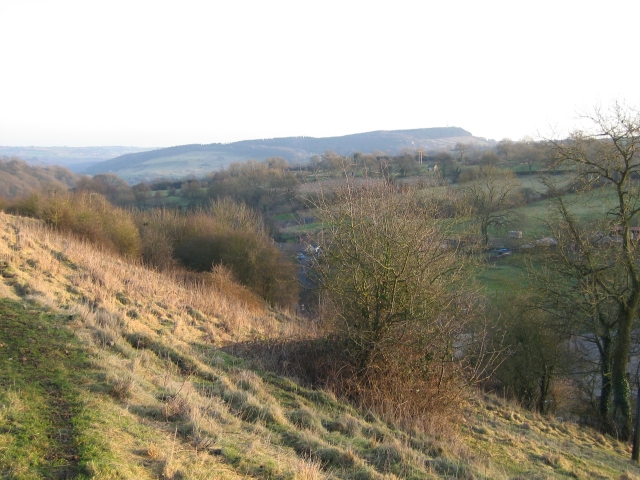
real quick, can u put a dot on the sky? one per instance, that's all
(154, 73)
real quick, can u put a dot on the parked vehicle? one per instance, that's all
(501, 252)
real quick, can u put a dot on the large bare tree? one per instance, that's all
(605, 157)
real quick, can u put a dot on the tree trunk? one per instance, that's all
(484, 231)
(635, 452)
(605, 376)
(545, 387)
(620, 383)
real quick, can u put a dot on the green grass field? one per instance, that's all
(179, 166)
(587, 207)
(45, 427)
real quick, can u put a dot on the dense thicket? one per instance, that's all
(224, 233)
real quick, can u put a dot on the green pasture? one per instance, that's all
(501, 276)
(587, 207)
(179, 166)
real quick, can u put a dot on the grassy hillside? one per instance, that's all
(110, 370)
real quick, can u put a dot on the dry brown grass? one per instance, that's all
(309, 469)
(60, 270)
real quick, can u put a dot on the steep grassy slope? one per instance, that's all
(109, 370)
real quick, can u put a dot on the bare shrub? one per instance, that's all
(176, 407)
(86, 215)
(400, 302)
(121, 388)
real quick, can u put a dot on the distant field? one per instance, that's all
(585, 207)
(498, 276)
(197, 164)
(532, 216)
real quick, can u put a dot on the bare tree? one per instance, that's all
(491, 197)
(445, 162)
(461, 150)
(575, 286)
(607, 157)
(504, 149)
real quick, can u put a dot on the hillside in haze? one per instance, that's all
(185, 160)
(18, 178)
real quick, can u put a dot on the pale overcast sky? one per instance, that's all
(159, 73)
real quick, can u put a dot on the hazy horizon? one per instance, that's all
(155, 74)
(225, 143)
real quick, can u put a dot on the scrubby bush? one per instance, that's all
(85, 215)
(397, 297)
(225, 233)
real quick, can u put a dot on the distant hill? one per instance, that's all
(185, 160)
(73, 158)
(18, 178)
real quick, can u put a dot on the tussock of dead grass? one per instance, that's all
(121, 388)
(554, 460)
(249, 381)
(309, 469)
(306, 418)
(346, 424)
(628, 476)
